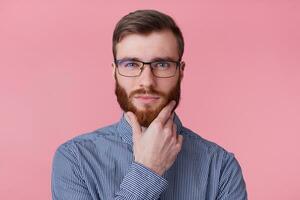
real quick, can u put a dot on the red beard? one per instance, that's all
(145, 117)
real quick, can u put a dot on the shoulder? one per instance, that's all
(223, 160)
(198, 143)
(101, 138)
(197, 146)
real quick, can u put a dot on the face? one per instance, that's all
(146, 94)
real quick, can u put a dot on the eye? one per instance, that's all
(130, 64)
(162, 65)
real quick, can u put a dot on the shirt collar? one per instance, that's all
(125, 130)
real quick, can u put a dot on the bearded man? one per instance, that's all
(148, 154)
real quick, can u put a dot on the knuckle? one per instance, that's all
(175, 128)
(174, 125)
(179, 146)
(174, 140)
(158, 124)
(168, 132)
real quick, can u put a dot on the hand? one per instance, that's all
(158, 146)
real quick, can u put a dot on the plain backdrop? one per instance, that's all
(241, 87)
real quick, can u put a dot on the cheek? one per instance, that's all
(166, 86)
(126, 84)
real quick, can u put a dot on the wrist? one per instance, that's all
(155, 168)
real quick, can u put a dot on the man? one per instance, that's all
(148, 154)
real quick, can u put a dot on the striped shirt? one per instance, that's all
(100, 166)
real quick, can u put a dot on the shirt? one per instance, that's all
(100, 166)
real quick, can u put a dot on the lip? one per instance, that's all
(147, 98)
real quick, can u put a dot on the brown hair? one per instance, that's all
(146, 21)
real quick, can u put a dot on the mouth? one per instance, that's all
(146, 99)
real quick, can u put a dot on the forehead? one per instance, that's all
(148, 46)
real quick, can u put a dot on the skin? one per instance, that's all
(157, 146)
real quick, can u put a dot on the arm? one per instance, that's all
(141, 183)
(232, 185)
(68, 184)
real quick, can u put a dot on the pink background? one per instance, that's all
(241, 86)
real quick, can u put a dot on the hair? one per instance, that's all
(145, 22)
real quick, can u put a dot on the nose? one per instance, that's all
(146, 79)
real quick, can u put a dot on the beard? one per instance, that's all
(147, 115)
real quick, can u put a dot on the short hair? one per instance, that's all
(144, 22)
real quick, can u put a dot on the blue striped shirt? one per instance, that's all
(100, 165)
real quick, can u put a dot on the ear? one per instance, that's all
(113, 69)
(182, 66)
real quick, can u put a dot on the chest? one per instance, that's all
(192, 176)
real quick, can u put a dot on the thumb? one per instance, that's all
(136, 128)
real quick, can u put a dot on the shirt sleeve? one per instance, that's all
(67, 183)
(140, 183)
(232, 185)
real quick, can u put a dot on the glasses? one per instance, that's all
(134, 68)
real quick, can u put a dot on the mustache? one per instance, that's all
(150, 91)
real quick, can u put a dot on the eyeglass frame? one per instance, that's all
(178, 64)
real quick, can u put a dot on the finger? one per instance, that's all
(174, 131)
(136, 127)
(165, 113)
(169, 123)
(179, 141)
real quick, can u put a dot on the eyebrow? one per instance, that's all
(152, 60)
